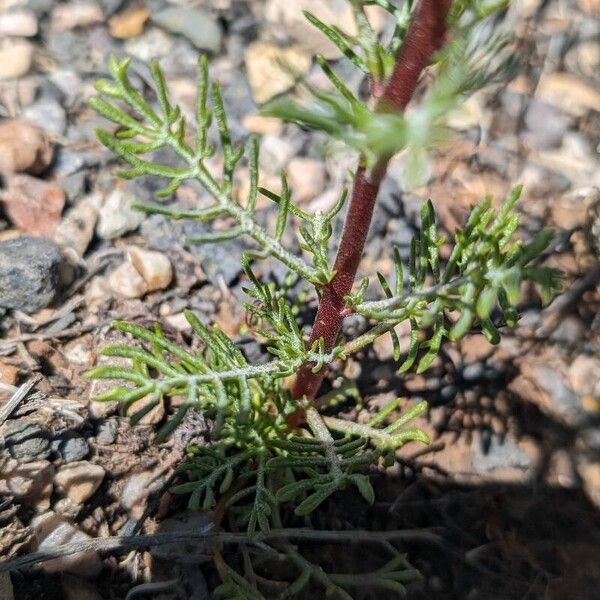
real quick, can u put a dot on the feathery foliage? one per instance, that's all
(256, 464)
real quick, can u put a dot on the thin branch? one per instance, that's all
(142, 542)
(17, 398)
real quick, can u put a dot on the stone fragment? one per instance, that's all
(48, 114)
(16, 57)
(76, 230)
(8, 373)
(569, 93)
(116, 216)
(490, 452)
(154, 267)
(52, 530)
(18, 23)
(97, 291)
(262, 125)
(306, 178)
(71, 446)
(126, 281)
(273, 70)
(29, 273)
(79, 480)
(584, 375)
(33, 205)
(25, 441)
(69, 15)
(129, 23)
(195, 24)
(23, 148)
(31, 483)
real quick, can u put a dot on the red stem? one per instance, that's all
(425, 36)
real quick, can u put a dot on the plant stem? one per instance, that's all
(425, 36)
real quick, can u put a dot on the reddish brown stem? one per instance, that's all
(425, 36)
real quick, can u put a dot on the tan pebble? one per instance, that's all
(71, 15)
(262, 125)
(21, 23)
(126, 281)
(569, 93)
(16, 57)
(154, 267)
(272, 70)
(129, 23)
(306, 177)
(76, 230)
(79, 480)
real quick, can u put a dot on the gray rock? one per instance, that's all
(195, 24)
(566, 401)
(160, 233)
(25, 441)
(29, 273)
(546, 125)
(67, 162)
(107, 432)
(48, 114)
(491, 452)
(117, 216)
(71, 446)
(473, 371)
(220, 260)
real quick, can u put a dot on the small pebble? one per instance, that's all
(75, 14)
(19, 23)
(195, 24)
(33, 205)
(25, 441)
(267, 75)
(52, 530)
(79, 480)
(16, 57)
(31, 483)
(23, 148)
(71, 446)
(154, 267)
(129, 23)
(117, 217)
(29, 273)
(306, 177)
(48, 114)
(76, 230)
(126, 281)
(107, 432)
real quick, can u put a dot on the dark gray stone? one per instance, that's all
(70, 446)
(25, 441)
(29, 273)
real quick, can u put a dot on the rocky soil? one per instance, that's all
(511, 482)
